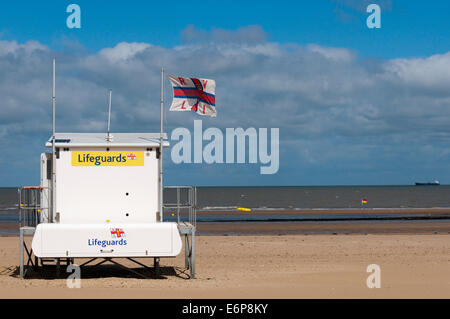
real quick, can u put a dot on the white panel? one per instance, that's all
(98, 194)
(137, 240)
(45, 184)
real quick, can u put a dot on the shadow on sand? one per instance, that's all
(48, 272)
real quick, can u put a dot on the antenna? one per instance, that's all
(108, 135)
(161, 185)
(53, 210)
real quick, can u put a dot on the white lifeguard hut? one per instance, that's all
(101, 196)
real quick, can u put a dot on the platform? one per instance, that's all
(184, 228)
(187, 229)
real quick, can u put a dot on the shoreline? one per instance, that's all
(320, 228)
(268, 211)
(337, 221)
(305, 228)
(327, 211)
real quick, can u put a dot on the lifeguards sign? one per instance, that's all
(191, 94)
(107, 158)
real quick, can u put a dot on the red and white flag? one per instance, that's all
(191, 94)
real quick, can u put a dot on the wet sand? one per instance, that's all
(290, 266)
(434, 211)
(311, 228)
(305, 228)
(431, 220)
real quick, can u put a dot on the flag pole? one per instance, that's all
(53, 210)
(161, 186)
(108, 134)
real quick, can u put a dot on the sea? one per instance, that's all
(276, 200)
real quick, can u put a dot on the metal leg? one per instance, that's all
(87, 262)
(126, 268)
(186, 251)
(21, 254)
(36, 263)
(29, 255)
(102, 262)
(193, 254)
(58, 267)
(140, 264)
(156, 265)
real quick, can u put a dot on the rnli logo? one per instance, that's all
(117, 233)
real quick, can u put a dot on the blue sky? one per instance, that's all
(371, 106)
(409, 28)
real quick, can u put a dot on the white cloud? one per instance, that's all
(13, 48)
(432, 72)
(311, 92)
(123, 51)
(337, 54)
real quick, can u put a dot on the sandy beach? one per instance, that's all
(288, 266)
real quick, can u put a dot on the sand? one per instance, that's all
(265, 266)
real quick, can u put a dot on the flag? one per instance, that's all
(364, 201)
(198, 95)
(117, 233)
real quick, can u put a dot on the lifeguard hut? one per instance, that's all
(101, 196)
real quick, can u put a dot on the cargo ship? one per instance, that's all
(435, 183)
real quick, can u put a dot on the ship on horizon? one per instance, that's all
(434, 183)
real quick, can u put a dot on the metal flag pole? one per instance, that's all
(53, 210)
(161, 140)
(108, 135)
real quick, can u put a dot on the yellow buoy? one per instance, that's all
(244, 209)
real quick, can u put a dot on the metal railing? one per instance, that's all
(29, 205)
(183, 199)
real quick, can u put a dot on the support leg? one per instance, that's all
(58, 267)
(193, 254)
(186, 251)
(156, 265)
(21, 262)
(36, 263)
(126, 268)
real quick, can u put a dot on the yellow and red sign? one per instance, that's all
(107, 158)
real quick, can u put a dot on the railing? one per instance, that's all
(29, 205)
(183, 199)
